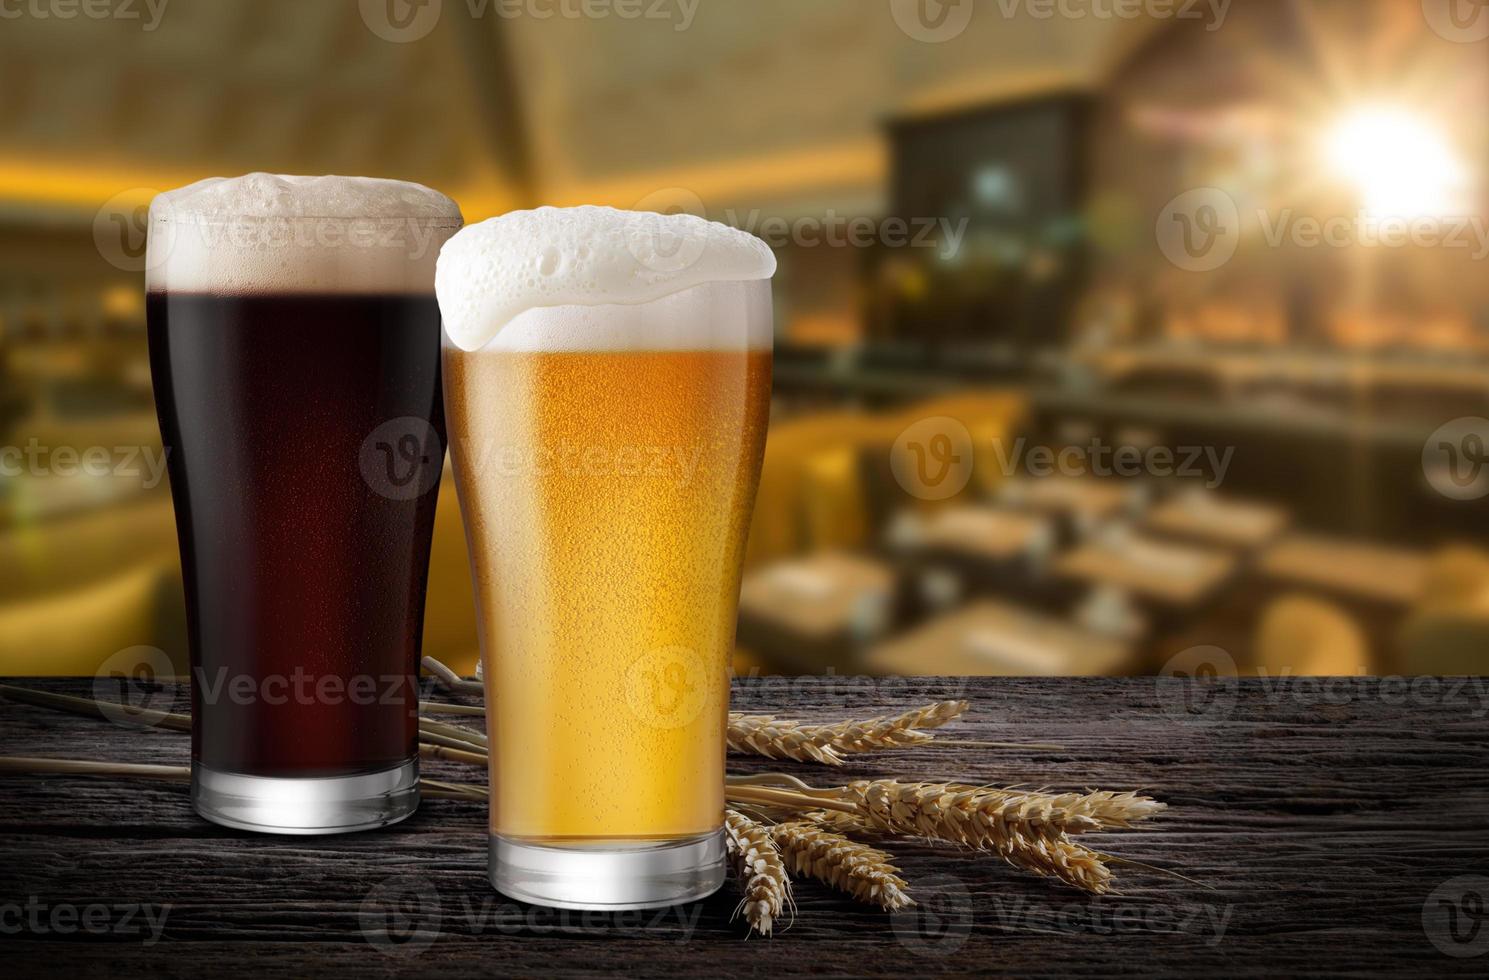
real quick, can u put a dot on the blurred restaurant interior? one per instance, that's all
(1094, 355)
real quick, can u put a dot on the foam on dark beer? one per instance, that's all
(272, 233)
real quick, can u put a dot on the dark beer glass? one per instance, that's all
(295, 351)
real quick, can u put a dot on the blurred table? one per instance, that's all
(1347, 569)
(1173, 575)
(999, 639)
(990, 533)
(812, 613)
(1206, 519)
(1080, 503)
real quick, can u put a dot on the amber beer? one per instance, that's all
(607, 560)
(606, 458)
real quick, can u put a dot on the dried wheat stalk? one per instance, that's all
(787, 739)
(758, 870)
(968, 814)
(861, 871)
(1026, 829)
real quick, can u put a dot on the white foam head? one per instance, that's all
(265, 233)
(594, 278)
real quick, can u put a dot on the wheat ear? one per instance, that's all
(967, 814)
(861, 871)
(786, 739)
(758, 870)
(1027, 829)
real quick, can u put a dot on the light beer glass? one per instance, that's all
(607, 385)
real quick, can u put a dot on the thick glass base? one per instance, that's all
(611, 875)
(316, 805)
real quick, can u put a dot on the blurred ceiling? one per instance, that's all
(771, 103)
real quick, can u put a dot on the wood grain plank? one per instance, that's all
(1316, 821)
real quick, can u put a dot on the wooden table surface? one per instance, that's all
(1318, 824)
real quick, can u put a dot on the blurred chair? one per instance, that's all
(779, 528)
(1448, 632)
(1456, 574)
(74, 632)
(450, 605)
(1302, 636)
(835, 510)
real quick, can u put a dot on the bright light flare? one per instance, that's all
(1402, 165)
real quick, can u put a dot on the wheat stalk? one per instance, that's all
(776, 738)
(758, 870)
(1027, 829)
(972, 814)
(861, 871)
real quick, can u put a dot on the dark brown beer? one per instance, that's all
(305, 437)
